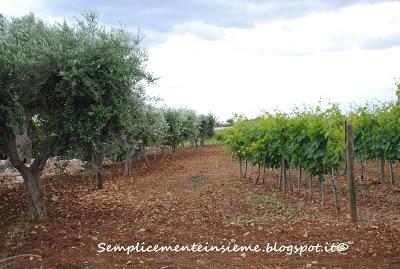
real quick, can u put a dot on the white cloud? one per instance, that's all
(253, 8)
(281, 63)
(14, 8)
(199, 29)
(17, 8)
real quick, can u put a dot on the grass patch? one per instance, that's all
(212, 141)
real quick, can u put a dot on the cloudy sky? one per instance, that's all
(248, 56)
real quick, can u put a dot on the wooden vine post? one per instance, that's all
(350, 171)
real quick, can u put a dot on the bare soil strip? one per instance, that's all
(196, 196)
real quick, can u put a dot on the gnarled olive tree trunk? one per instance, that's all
(34, 195)
(23, 144)
(31, 175)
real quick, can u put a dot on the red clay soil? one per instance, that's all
(196, 196)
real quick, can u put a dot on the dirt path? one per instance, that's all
(193, 196)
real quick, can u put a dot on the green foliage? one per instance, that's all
(27, 68)
(311, 138)
(207, 126)
(389, 126)
(174, 120)
(365, 125)
(377, 132)
(100, 72)
(81, 84)
(186, 125)
(190, 125)
(314, 138)
(230, 122)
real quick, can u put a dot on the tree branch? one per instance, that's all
(7, 140)
(45, 152)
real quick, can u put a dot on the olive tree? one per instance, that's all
(74, 81)
(159, 129)
(190, 126)
(133, 117)
(100, 73)
(28, 75)
(154, 129)
(207, 125)
(145, 126)
(175, 127)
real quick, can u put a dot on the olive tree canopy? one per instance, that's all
(73, 80)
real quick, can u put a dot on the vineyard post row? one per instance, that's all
(313, 141)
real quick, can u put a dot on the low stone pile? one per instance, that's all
(54, 166)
